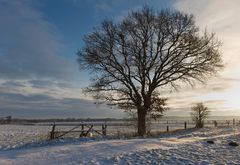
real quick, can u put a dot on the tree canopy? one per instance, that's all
(132, 59)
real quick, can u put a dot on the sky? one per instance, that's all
(40, 77)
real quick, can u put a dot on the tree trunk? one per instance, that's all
(141, 122)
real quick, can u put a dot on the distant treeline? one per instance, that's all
(17, 120)
(9, 119)
(5, 120)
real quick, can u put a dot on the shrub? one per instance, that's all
(199, 113)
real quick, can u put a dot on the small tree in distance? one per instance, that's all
(199, 114)
(131, 60)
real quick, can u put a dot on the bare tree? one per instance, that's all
(199, 114)
(131, 60)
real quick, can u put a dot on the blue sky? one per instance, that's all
(76, 18)
(39, 75)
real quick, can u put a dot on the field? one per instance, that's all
(16, 135)
(28, 143)
(182, 147)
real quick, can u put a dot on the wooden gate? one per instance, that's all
(85, 129)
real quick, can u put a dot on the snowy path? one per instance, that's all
(188, 148)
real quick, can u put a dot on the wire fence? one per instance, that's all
(129, 127)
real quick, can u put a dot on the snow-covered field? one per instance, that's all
(185, 147)
(13, 136)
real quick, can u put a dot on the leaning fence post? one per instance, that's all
(52, 132)
(104, 129)
(82, 130)
(185, 125)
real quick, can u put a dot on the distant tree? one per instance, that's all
(131, 60)
(199, 114)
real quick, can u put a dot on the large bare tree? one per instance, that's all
(131, 60)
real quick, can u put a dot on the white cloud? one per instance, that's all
(220, 94)
(221, 17)
(45, 106)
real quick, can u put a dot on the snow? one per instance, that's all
(12, 136)
(185, 147)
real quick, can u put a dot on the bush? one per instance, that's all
(199, 113)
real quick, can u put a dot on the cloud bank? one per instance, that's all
(221, 17)
(220, 94)
(36, 79)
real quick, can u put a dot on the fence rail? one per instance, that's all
(124, 127)
(101, 128)
(85, 130)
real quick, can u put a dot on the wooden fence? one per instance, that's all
(85, 130)
(115, 128)
(172, 125)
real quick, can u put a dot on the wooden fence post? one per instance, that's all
(167, 128)
(104, 129)
(233, 121)
(52, 132)
(228, 122)
(82, 131)
(215, 123)
(185, 125)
